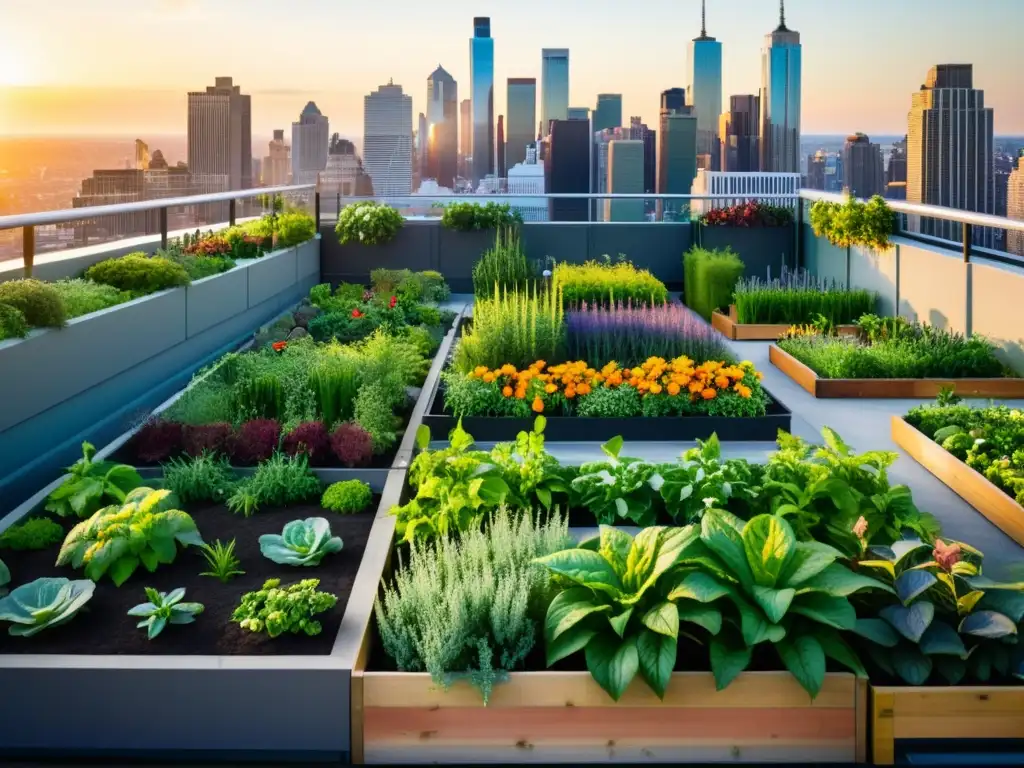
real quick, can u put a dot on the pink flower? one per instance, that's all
(860, 528)
(946, 555)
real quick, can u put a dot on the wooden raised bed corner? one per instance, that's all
(731, 328)
(890, 388)
(931, 716)
(972, 486)
(564, 717)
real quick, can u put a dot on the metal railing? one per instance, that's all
(27, 222)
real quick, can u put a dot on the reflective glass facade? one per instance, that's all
(522, 118)
(706, 94)
(780, 102)
(481, 93)
(554, 86)
(609, 111)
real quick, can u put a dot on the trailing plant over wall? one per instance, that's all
(854, 222)
(465, 217)
(368, 223)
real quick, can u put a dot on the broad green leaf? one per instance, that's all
(769, 544)
(149, 559)
(1007, 602)
(703, 616)
(834, 441)
(911, 584)
(568, 609)
(910, 664)
(834, 611)
(423, 437)
(839, 581)
(940, 638)
(809, 559)
(584, 567)
(612, 448)
(615, 545)
(697, 586)
(543, 496)
(726, 542)
(988, 624)
(612, 663)
(727, 662)
(909, 621)
(755, 628)
(663, 618)
(881, 565)
(569, 642)
(122, 568)
(805, 659)
(620, 621)
(774, 602)
(837, 649)
(669, 546)
(657, 656)
(877, 631)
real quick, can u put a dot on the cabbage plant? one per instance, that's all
(302, 542)
(44, 603)
(164, 608)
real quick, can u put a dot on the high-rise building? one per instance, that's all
(1015, 206)
(862, 166)
(578, 113)
(527, 178)
(638, 131)
(738, 131)
(609, 111)
(465, 136)
(705, 69)
(566, 168)
(674, 99)
(896, 172)
(816, 171)
(481, 93)
(387, 139)
(309, 145)
(677, 159)
(522, 118)
(344, 175)
(277, 163)
(419, 144)
(499, 148)
(442, 127)
(780, 99)
(220, 135)
(141, 155)
(625, 176)
(554, 87)
(950, 150)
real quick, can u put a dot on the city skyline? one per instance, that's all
(77, 91)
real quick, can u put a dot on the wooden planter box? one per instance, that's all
(565, 717)
(937, 715)
(972, 486)
(729, 327)
(890, 388)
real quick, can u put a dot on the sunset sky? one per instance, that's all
(69, 67)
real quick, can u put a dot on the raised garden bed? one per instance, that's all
(890, 388)
(968, 720)
(729, 326)
(972, 486)
(565, 717)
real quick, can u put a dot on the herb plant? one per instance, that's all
(797, 297)
(503, 267)
(203, 478)
(221, 560)
(709, 279)
(276, 610)
(91, 484)
(139, 274)
(368, 223)
(39, 303)
(280, 481)
(617, 490)
(606, 283)
(43, 604)
(12, 323)
(302, 542)
(465, 217)
(82, 297)
(164, 608)
(32, 534)
(347, 497)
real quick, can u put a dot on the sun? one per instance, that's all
(15, 67)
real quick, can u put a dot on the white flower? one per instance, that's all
(547, 273)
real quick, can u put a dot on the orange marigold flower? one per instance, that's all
(480, 370)
(759, 375)
(488, 377)
(539, 365)
(743, 391)
(695, 387)
(507, 391)
(655, 388)
(551, 389)
(709, 394)
(673, 389)
(570, 392)
(722, 382)
(538, 404)
(583, 389)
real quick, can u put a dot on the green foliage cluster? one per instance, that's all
(32, 534)
(428, 285)
(12, 323)
(710, 278)
(469, 607)
(346, 497)
(280, 481)
(893, 348)
(197, 479)
(276, 610)
(368, 223)
(139, 274)
(221, 560)
(854, 222)
(503, 265)
(465, 217)
(293, 228)
(81, 296)
(797, 297)
(43, 604)
(38, 302)
(606, 283)
(92, 484)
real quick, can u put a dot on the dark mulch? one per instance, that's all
(103, 626)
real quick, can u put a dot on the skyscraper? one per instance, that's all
(780, 99)
(277, 162)
(706, 92)
(309, 145)
(1015, 206)
(677, 159)
(566, 168)
(673, 98)
(554, 85)
(862, 165)
(141, 155)
(220, 135)
(578, 113)
(896, 172)
(625, 176)
(481, 93)
(609, 111)
(419, 143)
(442, 127)
(465, 136)
(387, 140)
(638, 131)
(522, 118)
(738, 132)
(500, 148)
(950, 150)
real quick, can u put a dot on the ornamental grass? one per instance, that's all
(797, 297)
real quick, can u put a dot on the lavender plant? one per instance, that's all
(797, 297)
(631, 333)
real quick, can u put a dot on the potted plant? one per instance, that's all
(771, 245)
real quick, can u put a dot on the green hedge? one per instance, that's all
(709, 278)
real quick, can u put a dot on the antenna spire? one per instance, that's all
(782, 14)
(703, 26)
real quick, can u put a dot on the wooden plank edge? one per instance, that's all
(883, 744)
(861, 722)
(723, 324)
(794, 369)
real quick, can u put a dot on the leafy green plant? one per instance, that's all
(32, 534)
(221, 560)
(38, 302)
(374, 411)
(687, 486)
(81, 297)
(12, 323)
(294, 228)
(164, 608)
(347, 497)
(854, 223)
(710, 278)
(276, 610)
(368, 223)
(533, 475)
(606, 283)
(798, 297)
(260, 398)
(618, 489)
(503, 266)
(144, 530)
(620, 606)
(199, 479)
(465, 217)
(280, 481)
(302, 542)
(466, 606)
(43, 604)
(91, 484)
(139, 274)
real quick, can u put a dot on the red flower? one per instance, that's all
(356, 314)
(279, 345)
(391, 304)
(946, 555)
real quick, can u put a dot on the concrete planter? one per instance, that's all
(458, 253)
(414, 247)
(761, 248)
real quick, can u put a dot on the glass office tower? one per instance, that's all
(522, 118)
(609, 111)
(706, 93)
(780, 100)
(481, 94)
(554, 82)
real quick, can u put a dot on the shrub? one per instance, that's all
(368, 223)
(293, 228)
(34, 533)
(352, 445)
(386, 281)
(39, 302)
(199, 267)
(854, 222)
(213, 438)
(709, 279)
(598, 283)
(374, 412)
(199, 479)
(347, 497)
(321, 294)
(139, 274)
(435, 289)
(752, 214)
(80, 297)
(255, 441)
(503, 265)
(464, 217)
(798, 297)
(279, 481)
(346, 327)
(12, 323)
(309, 439)
(207, 401)
(158, 440)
